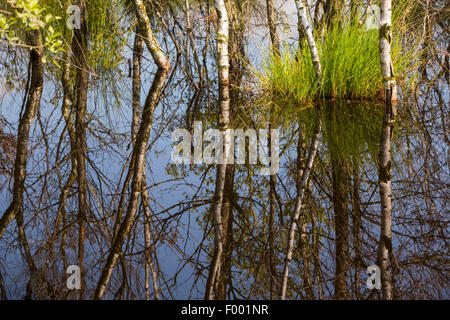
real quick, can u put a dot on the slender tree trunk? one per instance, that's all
(356, 223)
(315, 256)
(299, 202)
(340, 204)
(271, 236)
(140, 147)
(276, 47)
(303, 24)
(385, 165)
(274, 282)
(227, 223)
(224, 119)
(303, 242)
(236, 52)
(315, 21)
(330, 11)
(80, 52)
(272, 27)
(32, 104)
(33, 282)
(303, 17)
(427, 40)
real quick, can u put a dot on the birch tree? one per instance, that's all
(385, 165)
(303, 18)
(274, 38)
(222, 34)
(140, 147)
(299, 203)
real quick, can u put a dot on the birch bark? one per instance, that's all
(222, 35)
(385, 166)
(299, 203)
(303, 17)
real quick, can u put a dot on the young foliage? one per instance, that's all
(23, 16)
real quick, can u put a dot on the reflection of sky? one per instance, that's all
(119, 119)
(111, 168)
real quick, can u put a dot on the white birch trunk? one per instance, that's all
(385, 170)
(303, 18)
(299, 203)
(222, 34)
(387, 69)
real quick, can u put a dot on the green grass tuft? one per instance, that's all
(350, 61)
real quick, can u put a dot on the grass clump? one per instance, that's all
(350, 60)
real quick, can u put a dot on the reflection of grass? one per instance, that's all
(352, 130)
(350, 61)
